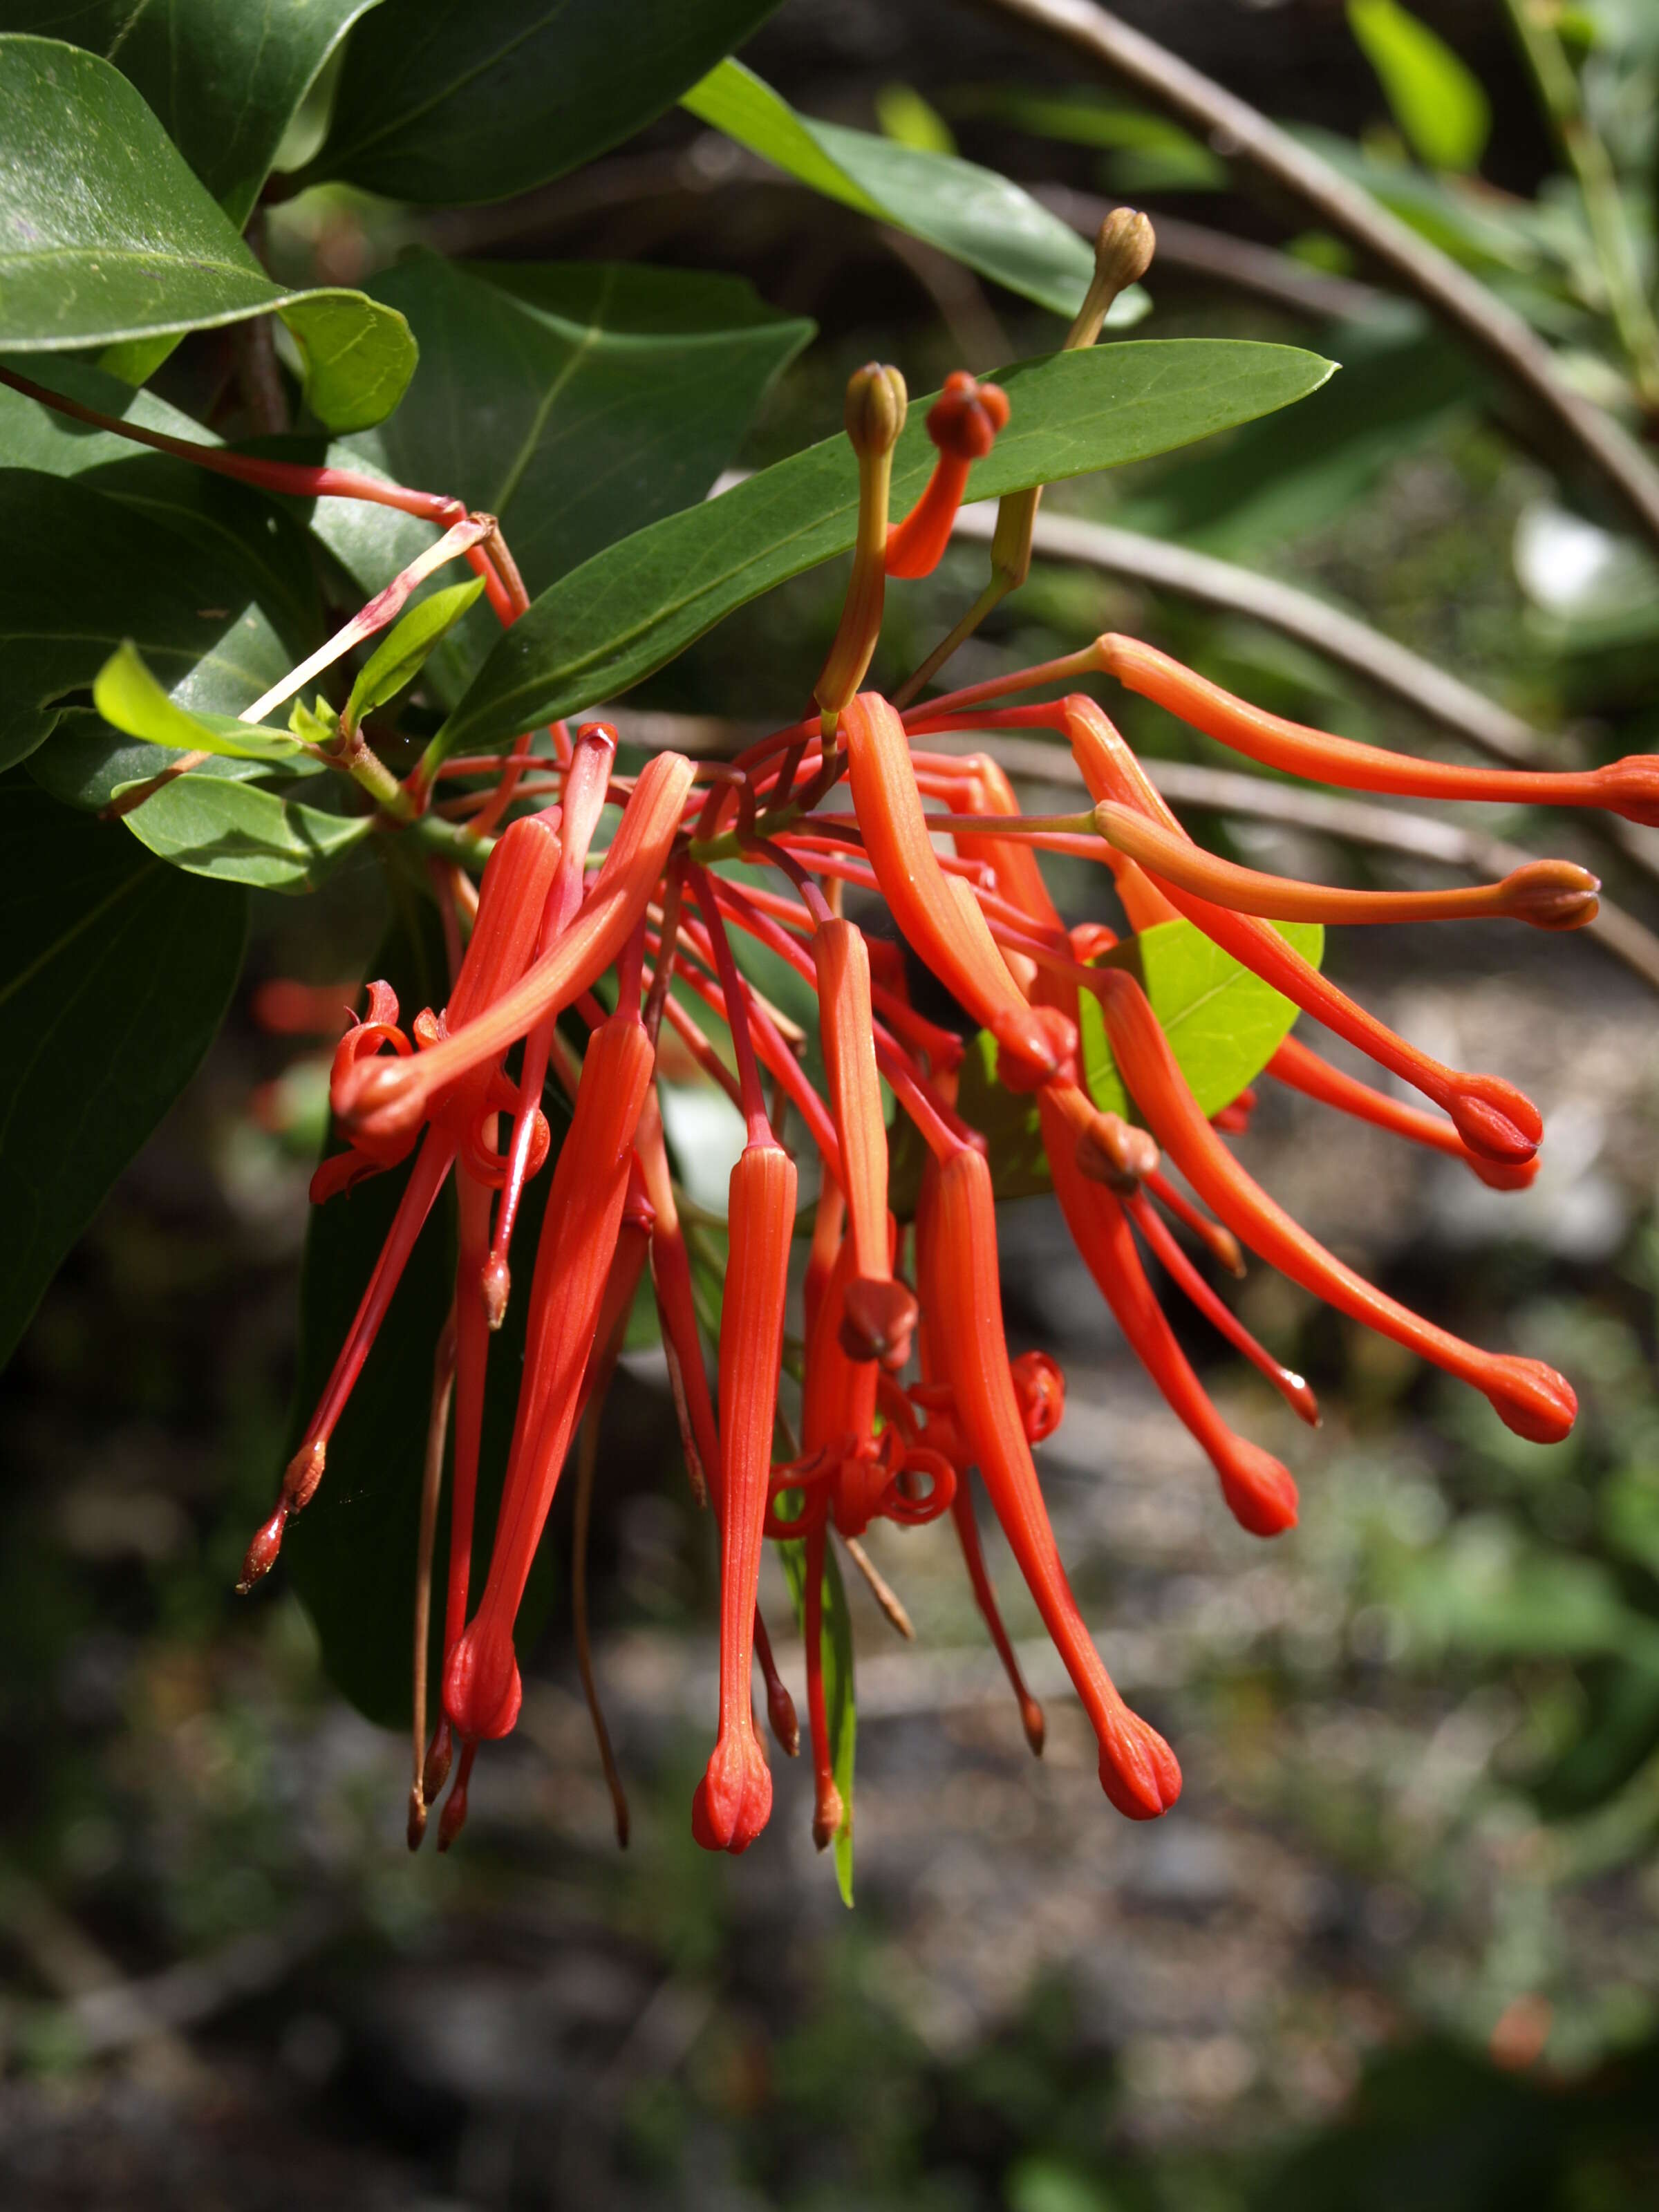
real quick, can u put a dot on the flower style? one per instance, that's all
(906, 1385)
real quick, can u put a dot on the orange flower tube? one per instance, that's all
(735, 1798)
(962, 423)
(1300, 1069)
(1629, 786)
(573, 1264)
(938, 912)
(1528, 1396)
(962, 1302)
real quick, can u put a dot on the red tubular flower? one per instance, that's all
(962, 1299)
(1548, 894)
(340, 1171)
(1629, 786)
(962, 423)
(383, 1098)
(938, 912)
(735, 1798)
(878, 1315)
(1300, 1069)
(1259, 1490)
(515, 883)
(579, 1239)
(1492, 1117)
(1528, 1396)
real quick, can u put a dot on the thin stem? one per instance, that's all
(736, 1009)
(443, 1389)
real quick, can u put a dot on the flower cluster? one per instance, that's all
(907, 1384)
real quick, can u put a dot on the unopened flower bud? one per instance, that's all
(1114, 1151)
(1123, 254)
(876, 403)
(1552, 894)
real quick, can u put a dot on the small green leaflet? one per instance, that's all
(840, 1705)
(400, 656)
(970, 213)
(208, 825)
(139, 251)
(130, 700)
(1223, 1022)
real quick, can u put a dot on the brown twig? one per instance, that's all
(1237, 131)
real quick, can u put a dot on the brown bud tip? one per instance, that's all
(1114, 1151)
(495, 1286)
(1031, 1720)
(876, 405)
(781, 1712)
(966, 416)
(1124, 245)
(1226, 1249)
(261, 1555)
(303, 1473)
(440, 1753)
(878, 1321)
(416, 1826)
(1552, 894)
(827, 1814)
(453, 1818)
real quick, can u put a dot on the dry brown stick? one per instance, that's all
(1237, 131)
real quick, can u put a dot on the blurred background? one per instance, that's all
(1397, 1945)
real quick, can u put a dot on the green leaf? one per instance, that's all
(351, 1554)
(401, 655)
(211, 825)
(1223, 1023)
(139, 249)
(116, 974)
(444, 101)
(841, 1708)
(903, 114)
(88, 763)
(1088, 119)
(1435, 99)
(129, 697)
(575, 401)
(225, 81)
(970, 213)
(81, 572)
(636, 605)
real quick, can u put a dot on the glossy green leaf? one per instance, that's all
(970, 213)
(351, 1554)
(1223, 1023)
(576, 401)
(81, 571)
(455, 102)
(115, 977)
(841, 1706)
(400, 657)
(86, 762)
(211, 825)
(140, 250)
(636, 605)
(225, 80)
(1146, 142)
(130, 700)
(1436, 98)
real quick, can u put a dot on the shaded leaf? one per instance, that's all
(215, 826)
(86, 762)
(225, 81)
(81, 572)
(116, 974)
(970, 213)
(636, 605)
(455, 102)
(139, 249)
